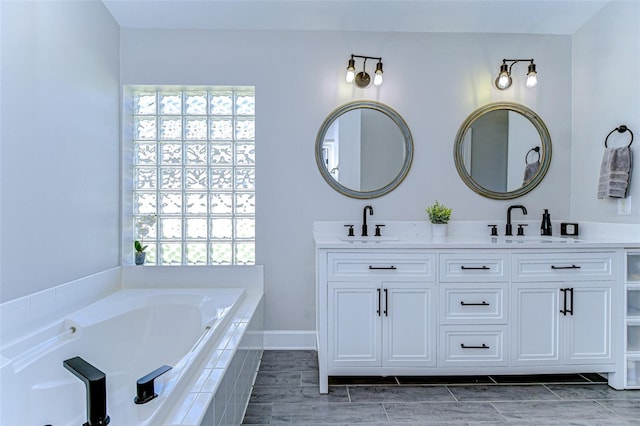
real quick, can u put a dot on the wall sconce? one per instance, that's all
(362, 79)
(503, 81)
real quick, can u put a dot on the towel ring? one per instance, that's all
(620, 129)
(536, 150)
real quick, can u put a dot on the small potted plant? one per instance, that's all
(144, 225)
(140, 253)
(439, 215)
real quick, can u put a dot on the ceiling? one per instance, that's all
(477, 16)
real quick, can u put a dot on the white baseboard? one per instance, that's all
(289, 339)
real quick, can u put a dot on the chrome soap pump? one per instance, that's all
(545, 227)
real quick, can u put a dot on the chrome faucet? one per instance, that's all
(364, 219)
(509, 228)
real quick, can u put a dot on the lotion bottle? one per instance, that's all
(545, 227)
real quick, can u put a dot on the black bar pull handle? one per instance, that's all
(483, 303)
(382, 267)
(484, 346)
(570, 290)
(145, 391)
(386, 302)
(563, 311)
(481, 268)
(378, 311)
(566, 267)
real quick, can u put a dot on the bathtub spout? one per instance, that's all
(96, 384)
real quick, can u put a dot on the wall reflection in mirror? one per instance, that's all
(364, 149)
(503, 150)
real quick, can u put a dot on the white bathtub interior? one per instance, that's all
(127, 335)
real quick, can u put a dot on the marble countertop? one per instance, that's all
(413, 235)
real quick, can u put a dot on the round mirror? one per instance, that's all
(502, 150)
(364, 149)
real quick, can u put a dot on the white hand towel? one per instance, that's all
(615, 172)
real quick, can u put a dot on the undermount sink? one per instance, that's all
(533, 239)
(372, 239)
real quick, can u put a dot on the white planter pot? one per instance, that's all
(438, 229)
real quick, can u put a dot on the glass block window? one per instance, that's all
(194, 175)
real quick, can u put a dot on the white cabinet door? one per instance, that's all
(535, 324)
(588, 330)
(568, 323)
(408, 325)
(354, 324)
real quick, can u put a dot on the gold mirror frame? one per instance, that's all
(545, 150)
(408, 148)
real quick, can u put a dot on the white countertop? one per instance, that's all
(462, 235)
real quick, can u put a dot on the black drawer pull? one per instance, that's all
(481, 268)
(484, 346)
(566, 267)
(483, 303)
(383, 267)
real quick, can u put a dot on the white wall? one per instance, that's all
(59, 192)
(433, 80)
(606, 94)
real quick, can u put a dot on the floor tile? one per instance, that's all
(278, 378)
(297, 394)
(442, 412)
(328, 413)
(625, 408)
(289, 361)
(399, 394)
(590, 392)
(443, 380)
(258, 414)
(502, 393)
(541, 378)
(309, 378)
(544, 411)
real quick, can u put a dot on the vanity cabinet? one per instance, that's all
(468, 311)
(562, 308)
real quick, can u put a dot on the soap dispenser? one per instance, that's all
(545, 227)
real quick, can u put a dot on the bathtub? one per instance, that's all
(126, 335)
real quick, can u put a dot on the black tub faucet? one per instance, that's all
(96, 384)
(509, 228)
(364, 220)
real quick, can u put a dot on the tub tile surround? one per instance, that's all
(219, 393)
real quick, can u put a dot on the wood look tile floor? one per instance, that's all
(286, 392)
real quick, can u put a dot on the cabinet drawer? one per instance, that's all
(472, 345)
(563, 266)
(383, 265)
(480, 304)
(474, 267)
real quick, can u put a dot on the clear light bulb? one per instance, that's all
(532, 75)
(377, 79)
(351, 70)
(350, 75)
(503, 81)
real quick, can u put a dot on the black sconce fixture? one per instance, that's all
(362, 79)
(503, 81)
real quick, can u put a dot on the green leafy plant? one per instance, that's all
(138, 246)
(439, 213)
